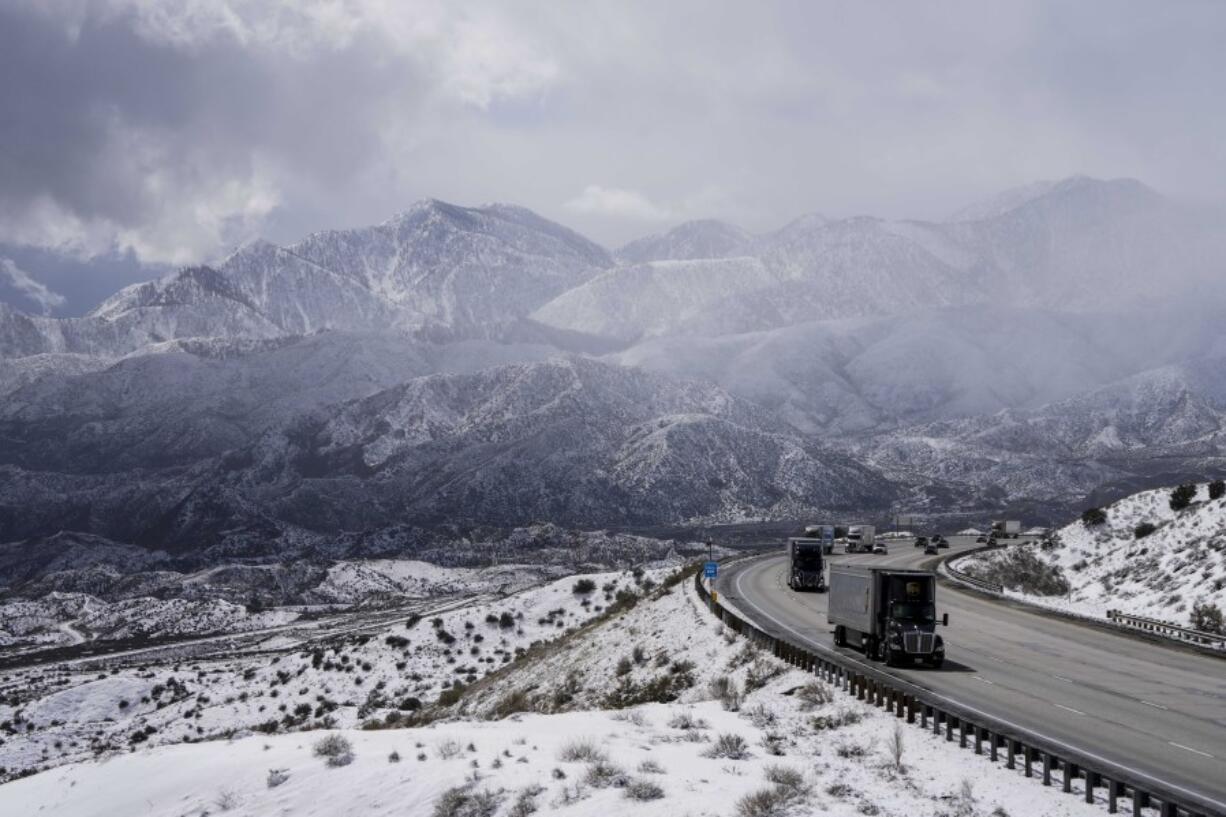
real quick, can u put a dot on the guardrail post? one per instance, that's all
(1168, 810)
(1047, 768)
(1010, 748)
(1070, 771)
(1140, 801)
(978, 740)
(910, 709)
(993, 746)
(1028, 760)
(1113, 796)
(924, 716)
(1091, 782)
(936, 721)
(949, 729)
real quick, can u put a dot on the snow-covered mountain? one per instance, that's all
(436, 269)
(568, 440)
(705, 238)
(1080, 245)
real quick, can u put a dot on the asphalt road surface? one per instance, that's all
(1156, 710)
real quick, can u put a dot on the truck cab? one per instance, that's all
(808, 565)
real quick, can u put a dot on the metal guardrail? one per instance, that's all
(1038, 755)
(1165, 628)
(973, 581)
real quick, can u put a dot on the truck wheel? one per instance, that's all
(840, 636)
(936, 663)
(870, 649)
(887, 652)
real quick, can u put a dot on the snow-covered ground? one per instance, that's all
(653, 709)
(1161, 575)
(62, 713)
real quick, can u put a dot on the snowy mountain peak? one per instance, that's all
(704, 238)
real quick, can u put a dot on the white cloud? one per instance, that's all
(619, 203)
(21, 280)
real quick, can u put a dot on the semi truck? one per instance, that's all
(1006, 528)
(808, 566)
(860, 538)
(889, 613)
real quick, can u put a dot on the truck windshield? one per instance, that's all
(913, 611)
(809, 557)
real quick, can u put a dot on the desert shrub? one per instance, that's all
(639, 654)
(728, 746)
(525, 802)
(785, 777)
(581, 750)
(340, 760)
(451, 696)
(506, 621)
(1207, 617)
(1021, 569)
(623, 667)
(760, 673)
(1144, 529)
(1093, 517)
(761, 716)
(584, 587)
(601, 774)
(517, 700)
(768, 802)
(685, 720)
(1182, 496)
(276, 777)
(664, 688)
(447, 749)
(814, 695)
(846, 717)
(393, 757)
(725, 690)
(1217, 489)
(643, 790)
(333, 746)
(650, 767)
(462, 801)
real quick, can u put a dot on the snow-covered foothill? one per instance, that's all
(790, 745)
(1121, 564)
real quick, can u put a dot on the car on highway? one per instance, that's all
(930, 549)
(921, 541)
(940, 541)
(880, 549)
(981, 540)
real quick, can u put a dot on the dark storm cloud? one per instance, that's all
(175, 128)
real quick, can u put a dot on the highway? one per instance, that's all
(1156, 710)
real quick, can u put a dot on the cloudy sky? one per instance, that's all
(175, 129)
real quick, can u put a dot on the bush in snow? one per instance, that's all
(1144, 529)
(602, 774)
(276, 777)
(1092, 517)
(584, 586)
(725, 690)
(814, 695)
(1207, 617)
(333, 747)
(643, 790)
(685, 720)
(462, 801)
(227, 799)
(651, 767)
(582, 750)
(1217, 489)
(525, 802)
(729, 746)
(1182, 496)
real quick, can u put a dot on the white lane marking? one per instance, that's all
(1189, 749)
(1055, 741)
(984, 681)
(1155, 706)
(1062, 678)
(1069, 709)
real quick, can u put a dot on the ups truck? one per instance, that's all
(889, 613)
(808, 566)
(860, 538)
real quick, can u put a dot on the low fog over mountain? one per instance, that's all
(486, 366)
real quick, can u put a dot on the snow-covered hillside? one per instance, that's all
(1120, 565)
(734, 732)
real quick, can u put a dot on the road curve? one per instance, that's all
(1156, 710)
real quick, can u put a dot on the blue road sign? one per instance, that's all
(710, 570)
